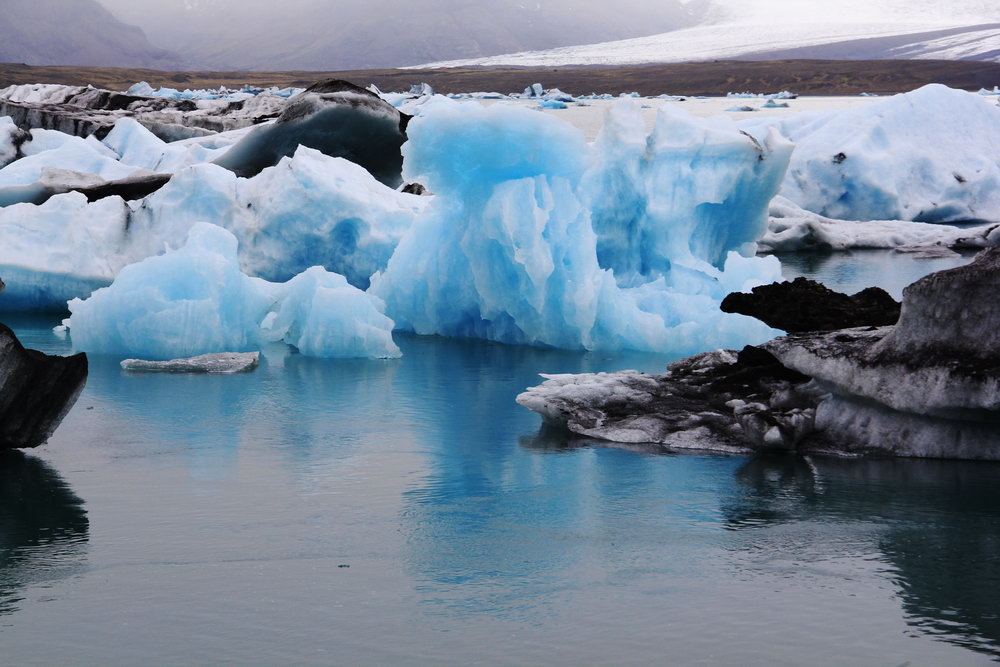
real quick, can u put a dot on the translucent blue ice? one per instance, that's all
(196, 300)
(507, 250)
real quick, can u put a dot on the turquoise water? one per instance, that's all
(409, 512)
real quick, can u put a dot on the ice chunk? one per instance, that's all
(309, 210)
(689, 194)
(196, 300)
(135, 145)
(323, 316)
(552, 104)
(793, 229)
(225, 362)
(63, 249)
(506, 250)
(74, 154)
(188, 302)
(11, 138)
(928, 155)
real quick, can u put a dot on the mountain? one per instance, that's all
(352, 34)
(787, 29)
(74, 32)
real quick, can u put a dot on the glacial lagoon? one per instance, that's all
(408, 511)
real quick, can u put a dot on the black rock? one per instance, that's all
(718, 400)
(129, 188)
(805, 305)
(36, 391)
(335, 117)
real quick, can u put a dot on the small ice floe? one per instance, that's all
(225, 362)
(740, 108)
(772, 104)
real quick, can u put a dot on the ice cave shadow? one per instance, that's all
(43, 527)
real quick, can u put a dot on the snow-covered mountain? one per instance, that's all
(351, 34)
(74, 32)
(776, 29)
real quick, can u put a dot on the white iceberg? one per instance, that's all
(930, 155)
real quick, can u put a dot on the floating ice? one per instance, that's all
(196, 300)
(222, 362)
(323, 316)
(73, 154)
(506, 250)
(793, 229)
(689, 194)
(929, 156)
(309, 210)
(11, 138)
(60, 250)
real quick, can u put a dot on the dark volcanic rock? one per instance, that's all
(716, 400)
(335, 117)
(36, 391)
(806, 305)
(929, 386)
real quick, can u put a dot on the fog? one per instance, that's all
(334, 34)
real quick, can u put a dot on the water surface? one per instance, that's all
(409, 512)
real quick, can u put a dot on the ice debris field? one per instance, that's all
(530, 233)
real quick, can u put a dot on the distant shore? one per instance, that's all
(805, 77)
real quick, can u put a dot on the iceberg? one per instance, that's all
(196, 301)
(308, 210)
(925, 156)
(74, 154)
(11, 139)
(507, 251)
(224, 362)
(688, 194)
(60, 250)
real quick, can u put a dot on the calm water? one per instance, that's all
(408, 512)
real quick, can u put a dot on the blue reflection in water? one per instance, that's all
(486, 514)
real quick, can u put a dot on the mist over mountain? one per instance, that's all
(74, 32)
(795, 29)
(345, 34)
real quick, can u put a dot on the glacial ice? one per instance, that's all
(927, 156)
(335, 117)
(10, 136)
(60, 250)
(506, 250)
(792, 229)
(195, 300)
(324, 316)
(75, 154)
(308, 210)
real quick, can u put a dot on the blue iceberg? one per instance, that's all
(508, 250)
(196, 300)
